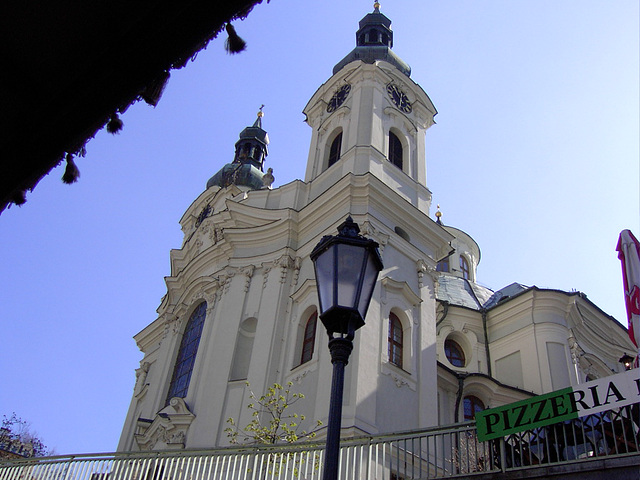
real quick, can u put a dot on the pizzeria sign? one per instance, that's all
(573, 402)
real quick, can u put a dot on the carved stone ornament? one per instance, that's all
(168, 430)
(141, 378)
(298, 378)
(372, 232)
(266, 268)
(248, 273)
(285, 262)
(398, 379)
(296, 270)
(171, 324)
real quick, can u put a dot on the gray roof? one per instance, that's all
(464, 293)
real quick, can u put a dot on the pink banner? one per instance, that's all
(629, 254)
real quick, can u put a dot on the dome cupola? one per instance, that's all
(247, 166)
(374, 40)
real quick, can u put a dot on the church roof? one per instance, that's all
(461, 292)
(374, 40)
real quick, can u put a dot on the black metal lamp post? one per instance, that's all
(346, 268)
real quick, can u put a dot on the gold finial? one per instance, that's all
(261, 113)
(438, 214)
(376, 5)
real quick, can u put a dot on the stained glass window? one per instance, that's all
(187, 353)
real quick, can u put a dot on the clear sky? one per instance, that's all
(534, 154)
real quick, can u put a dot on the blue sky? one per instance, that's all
(535, 154)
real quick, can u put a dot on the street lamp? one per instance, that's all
(627, 361)
(346, 268)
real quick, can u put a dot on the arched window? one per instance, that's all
(395, 150)
(309, 339)
(187, 353)
(443, 265)
(395, 340)
(464, 267)
(472, 405)
(334, 150)
(454, 353)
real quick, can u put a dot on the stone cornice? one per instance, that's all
(401, 289)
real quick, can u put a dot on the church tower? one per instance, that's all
(241, 302)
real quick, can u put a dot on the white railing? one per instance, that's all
(434, 453)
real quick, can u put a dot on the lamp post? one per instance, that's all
(627, 361)
(346, 268)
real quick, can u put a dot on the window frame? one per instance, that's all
(187, 352)
(395, 347)
(473, 402)
(335, 149)
(448, 343)
(396, 151)
(465, 268)
(309, 341)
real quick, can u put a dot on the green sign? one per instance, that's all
(572, 402)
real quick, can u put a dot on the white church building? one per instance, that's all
(241, 302)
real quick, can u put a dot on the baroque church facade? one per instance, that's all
(241, 303)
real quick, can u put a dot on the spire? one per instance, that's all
(258, 122)
(375, 29)
(439, 216)
(374, 40)
(250, 153)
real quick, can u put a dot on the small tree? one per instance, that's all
(272, 422)
(17, 439)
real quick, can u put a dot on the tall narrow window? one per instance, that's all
(309, 339)
(464, 267)
(187, 353)
(334, 150)
(395, 340)
(472, 405)
(395, 150)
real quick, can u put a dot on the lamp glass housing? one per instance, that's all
(346, 267)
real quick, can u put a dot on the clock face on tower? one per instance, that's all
(338, 98)
(399, 98)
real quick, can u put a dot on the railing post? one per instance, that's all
(503, 455)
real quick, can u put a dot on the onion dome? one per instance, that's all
(374, 40)
(247, 166)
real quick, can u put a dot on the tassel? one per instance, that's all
(114, 125)
(234, 43)
(19, 197)
(71, 172)
(153, 92)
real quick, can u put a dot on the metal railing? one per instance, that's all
(434, 453)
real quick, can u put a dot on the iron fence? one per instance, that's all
(434, 453)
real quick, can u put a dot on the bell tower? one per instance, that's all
(371, 117)
(241, 303)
